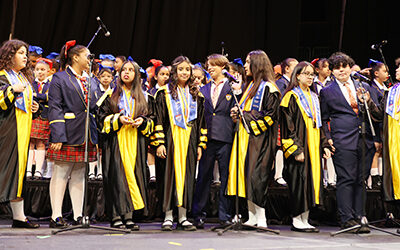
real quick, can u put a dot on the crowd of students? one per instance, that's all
(174, 125)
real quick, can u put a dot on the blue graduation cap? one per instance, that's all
(372, 63)
(35, 49)
(238, 61)
(106, 56)
(52, 55)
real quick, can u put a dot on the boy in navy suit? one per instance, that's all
(217, 106)
(287, 67)
(339, 106)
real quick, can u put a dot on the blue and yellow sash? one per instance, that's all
(184, 108)
(392, 108)
(257, 99)
(126, 104)
(305, 105)
(21, 102)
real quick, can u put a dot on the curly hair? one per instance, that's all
(7, 53)
(173, 80)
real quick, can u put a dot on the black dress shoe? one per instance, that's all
(189, 227)
(304, 230)
(225, 222)
(58, 223)
(166, 226)
(350, 223)
(117, 224)
(24, 224)
(199, 223)
(78, 221)
(331, 186)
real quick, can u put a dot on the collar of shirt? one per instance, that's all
(103, 89)
(287, 78)
(322, 83)
(380, 86)
(341, 84)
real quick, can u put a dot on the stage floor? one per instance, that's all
(150, 237)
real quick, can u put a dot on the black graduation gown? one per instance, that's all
(117, 184)
(299, 175)
(261, 150)
(12, 164)
(163, 136)
(391, 138)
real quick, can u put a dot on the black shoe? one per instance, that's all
(58, 223)
(129, 224)
(78, 221)
(331, 186)
(25, 224)
(117, 224)
(190, 227)
(199, 223)
(225, 222)
(376, 182)
(350, 223)
(363, 230)
(304, 230)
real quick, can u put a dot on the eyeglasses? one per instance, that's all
(308, 74)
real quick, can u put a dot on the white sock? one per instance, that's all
(331, 171)
(304, 219)
(152, 170)
(49, 169)
(260, 214)
(252, 214)
(380, 165)
(298, 222)
(39, 156)
(168, 218)
(77, 188)
(17, 208)
(278, 164)
(374, 171)
(92, 166)
(58, 183)
(30, 160)
(182, 217)
(216, 172)
(99, 167)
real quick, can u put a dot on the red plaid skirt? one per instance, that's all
(40, 129)
(72, 153)
(278, 143)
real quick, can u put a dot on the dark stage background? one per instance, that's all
(164, 29)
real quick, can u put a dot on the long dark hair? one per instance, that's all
(153, 81)
(261, 70)
(300, 67)
(7, 53)
(74, 50)
(173, 79)
(136, 92)
(375, 67)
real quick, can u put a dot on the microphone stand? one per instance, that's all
(94, 36)
(237, 224)
(364, 109)
(384, 62)
(85, 218)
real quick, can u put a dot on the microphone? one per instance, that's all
(90, 56)
(378, 45)
(359, 76)
(106, 32)
(229, 76)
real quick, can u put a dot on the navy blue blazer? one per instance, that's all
(377, 95)
(219, 122)
(67, 110)
(345, 124)
(42, 98)
(282, 84)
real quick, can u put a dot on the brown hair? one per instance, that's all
(173, 79)
(7, 53)
(286, 63)
(218, 60)
(261, 70)
(136, 92)
(296, 72)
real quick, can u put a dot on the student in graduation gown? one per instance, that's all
(388, 112)
(260, 105)
(180, 137)
(302, 140)
(123, 118)
(17, 106)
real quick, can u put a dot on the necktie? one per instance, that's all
(353, 102)
(215, 95)
(40, 87)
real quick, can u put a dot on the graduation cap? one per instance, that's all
(35, 49)
(107, 56)
(52, 55)
(373, 63)
(238, 61)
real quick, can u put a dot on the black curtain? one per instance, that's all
(164, 29)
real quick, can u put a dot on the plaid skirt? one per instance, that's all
(279, 143)
(40, 129)
(69, 153)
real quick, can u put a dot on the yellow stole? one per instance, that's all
(127, 140)
(180, 138)
(394, 150)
